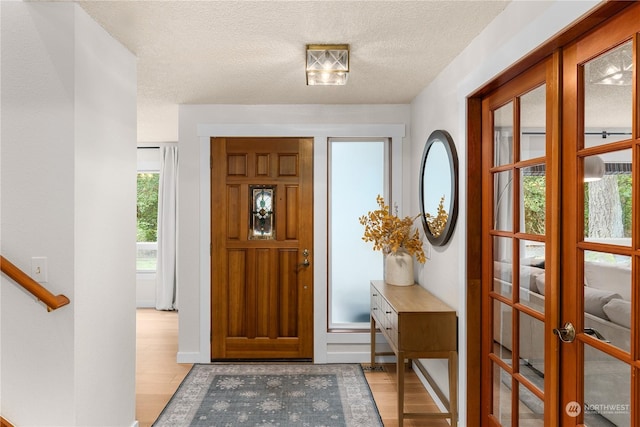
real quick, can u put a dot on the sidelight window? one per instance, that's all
(358, 173)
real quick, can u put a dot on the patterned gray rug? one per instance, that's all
(266, 395)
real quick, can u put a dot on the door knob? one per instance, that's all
(566, 333)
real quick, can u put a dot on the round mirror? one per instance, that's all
(439, 187)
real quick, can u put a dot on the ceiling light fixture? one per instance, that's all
(327, 64)
(612, 68)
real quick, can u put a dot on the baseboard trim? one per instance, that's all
(357, 357)
(146, 304)
(190, 357)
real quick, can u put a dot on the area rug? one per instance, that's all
(266, 395)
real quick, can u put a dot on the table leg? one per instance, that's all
(400, 373)
(373, 342)
(453, 387)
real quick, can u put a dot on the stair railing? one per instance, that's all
(52, 301)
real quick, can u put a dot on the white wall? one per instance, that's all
(105, 219)
(68, 193)
(146, 284)
(523, 26)
(37, 209)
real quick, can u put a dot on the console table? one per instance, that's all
(416, 325)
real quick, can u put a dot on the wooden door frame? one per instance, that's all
(474, 195)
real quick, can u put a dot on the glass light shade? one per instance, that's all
(327, 64)
(594, 168)
(612, 68)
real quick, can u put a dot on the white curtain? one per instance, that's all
(166, 290)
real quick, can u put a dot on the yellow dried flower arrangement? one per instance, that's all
(389, 233)
(437, 223)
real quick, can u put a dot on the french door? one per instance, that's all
(561, 237)
(601, 232)
(520, 256)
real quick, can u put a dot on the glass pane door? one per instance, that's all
(514, 296)
(603, 244)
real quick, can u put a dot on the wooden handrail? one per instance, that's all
(36, 289)
(5, 423)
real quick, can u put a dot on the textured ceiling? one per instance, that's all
(252, 52)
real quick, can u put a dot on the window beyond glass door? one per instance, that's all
(147, 210)
(358, 171)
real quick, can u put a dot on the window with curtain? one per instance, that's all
(358, 173)
(147, 210)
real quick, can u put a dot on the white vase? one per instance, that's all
(398, 268)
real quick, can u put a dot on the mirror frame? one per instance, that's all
(450, 148)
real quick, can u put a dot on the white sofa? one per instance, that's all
(607, 301)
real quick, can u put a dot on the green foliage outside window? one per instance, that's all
(586, 207)
(147, 209)
(624, 188)
(534, 203)
(534, 189)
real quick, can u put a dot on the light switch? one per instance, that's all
(39, 269)
(426, 247)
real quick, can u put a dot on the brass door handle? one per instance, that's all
(567, 333)
(305, 261)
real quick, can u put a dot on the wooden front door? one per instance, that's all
(262, 237)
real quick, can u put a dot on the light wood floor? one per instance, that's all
(158, 375)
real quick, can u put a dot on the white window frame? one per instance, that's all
(385, 192)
